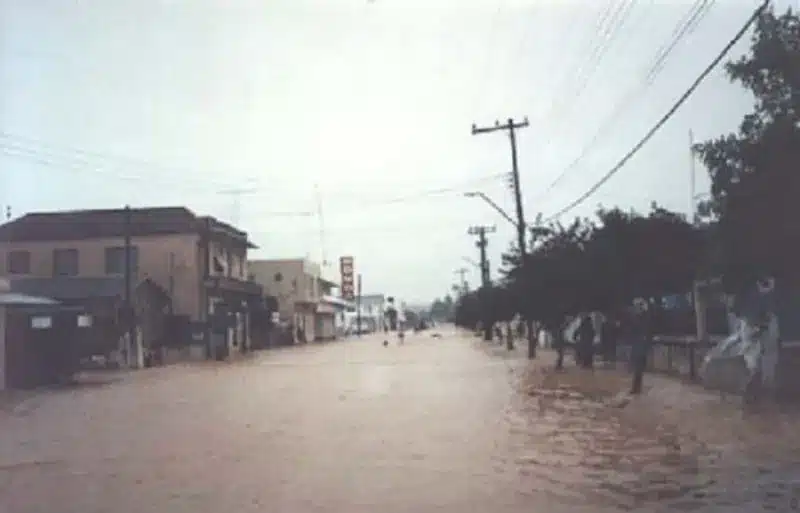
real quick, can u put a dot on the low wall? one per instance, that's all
(683, 356)
(788, 375)
(673, 355)
(191, 353)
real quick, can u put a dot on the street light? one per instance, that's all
(487, 199)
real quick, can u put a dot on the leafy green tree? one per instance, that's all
(602, 265)
(642, 256)
(552, 283)
(443, 309)
(754, 171)
(467, 310)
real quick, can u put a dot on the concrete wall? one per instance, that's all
(155, 263)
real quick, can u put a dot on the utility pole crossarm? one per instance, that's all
(478, 230)
(508, 125)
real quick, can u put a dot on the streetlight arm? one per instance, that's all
(494, 205)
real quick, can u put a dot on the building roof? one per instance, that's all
(13, 298)
(70, 287)
(66, 288)
(109, 223)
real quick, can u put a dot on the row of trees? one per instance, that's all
(443, 310)
(748, 226)
(599, 264)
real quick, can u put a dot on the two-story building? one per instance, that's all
(199, 263)
(303, 293)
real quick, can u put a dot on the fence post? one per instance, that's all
(670, 347)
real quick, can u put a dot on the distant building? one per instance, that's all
(372, 312)
(305, 297)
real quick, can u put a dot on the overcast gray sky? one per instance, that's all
(107, 102)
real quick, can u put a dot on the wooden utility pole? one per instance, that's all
(511, 127)
(129, 310)
(171, 283)
(321, 219)
(486, 282)
(462, 272)
(358, 304)
(692, 180)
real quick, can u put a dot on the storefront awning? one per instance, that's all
(336, 302)
(225, 284)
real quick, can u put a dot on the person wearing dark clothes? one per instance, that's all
(585, 346)
(609, 336)
(641, 339)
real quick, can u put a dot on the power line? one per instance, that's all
(53, 163)
(419, 230)
(89, 161)
(666, 116)
(568, 35)
(427, 193)
(601, 21)
(81, 164)
(236, 194)
(685, 26)
(459, 188)
(492, 34)
(611, 21)
(617, 22)
(39, 148)
(608, 28)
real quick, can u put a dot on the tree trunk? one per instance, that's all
(531, 339)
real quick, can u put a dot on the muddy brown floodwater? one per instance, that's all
(439, 425)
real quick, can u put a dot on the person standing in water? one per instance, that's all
(642, 339)
(585, 345)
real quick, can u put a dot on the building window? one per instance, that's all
(65, 262)
(18, 262)
(41, 322)
(115, 260)
(218, 266)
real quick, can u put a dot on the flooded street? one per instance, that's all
(434, 425)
